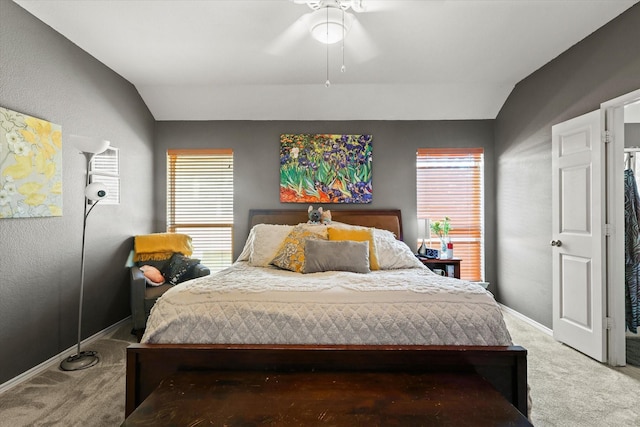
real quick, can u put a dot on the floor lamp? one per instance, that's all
(94, 192)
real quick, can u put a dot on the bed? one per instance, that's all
(391, 313)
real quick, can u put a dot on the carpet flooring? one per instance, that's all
(567, 388)
(93, 397)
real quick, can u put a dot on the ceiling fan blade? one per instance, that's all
(358, 6)
(365, 6)
(291, 36)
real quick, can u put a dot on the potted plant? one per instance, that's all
(442, 229)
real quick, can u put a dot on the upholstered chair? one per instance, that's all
(161, 260)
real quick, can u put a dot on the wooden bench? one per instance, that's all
(505, 368)
(243, 398)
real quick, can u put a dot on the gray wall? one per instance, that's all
(44, 75)
(256, 163)
(599, 68)
(632, 135)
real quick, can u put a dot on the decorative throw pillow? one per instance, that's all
(345, 255)
(290, 256)
(358, 234)
(179, 268)
(152, 275)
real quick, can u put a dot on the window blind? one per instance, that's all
(450, 183)
(200, 202)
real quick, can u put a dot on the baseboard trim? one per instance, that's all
(525, 319)
(55, 360)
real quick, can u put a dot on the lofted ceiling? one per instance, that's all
(255, 60)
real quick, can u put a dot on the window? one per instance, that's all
(200, 202)
(105, 168)
(450, 183)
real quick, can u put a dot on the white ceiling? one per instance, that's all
(255, 60)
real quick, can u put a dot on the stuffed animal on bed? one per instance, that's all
(325, 217)
(319, 216)
(315, 215)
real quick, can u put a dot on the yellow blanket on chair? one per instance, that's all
(160, 246)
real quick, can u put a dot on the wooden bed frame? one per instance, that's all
(386, 219)
(504, 367)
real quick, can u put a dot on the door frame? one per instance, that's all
(612, 117)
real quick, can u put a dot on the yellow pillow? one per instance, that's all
(358, 234)
(290, 256)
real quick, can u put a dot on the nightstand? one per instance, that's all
(442, 264)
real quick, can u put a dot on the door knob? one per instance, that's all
(557, 243)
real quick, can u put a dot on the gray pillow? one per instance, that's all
(336, 255)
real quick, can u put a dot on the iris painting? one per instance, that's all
(325, 168)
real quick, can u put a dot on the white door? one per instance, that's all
(578, 243)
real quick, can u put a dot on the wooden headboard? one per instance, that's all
(386, 219)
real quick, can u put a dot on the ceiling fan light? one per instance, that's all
(327, 28)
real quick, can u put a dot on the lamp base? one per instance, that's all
(82, 360)
(422, 250)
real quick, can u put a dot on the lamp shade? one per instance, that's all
(89, 145)
(424, 228)
(421, 229)
(95, 191)
(326, 24)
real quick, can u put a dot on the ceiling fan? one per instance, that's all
(329, 22)
(356, 5)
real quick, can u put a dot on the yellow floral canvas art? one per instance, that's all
(30, 166)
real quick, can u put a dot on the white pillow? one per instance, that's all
(248, 246)
(393, 253)
(267, 240)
